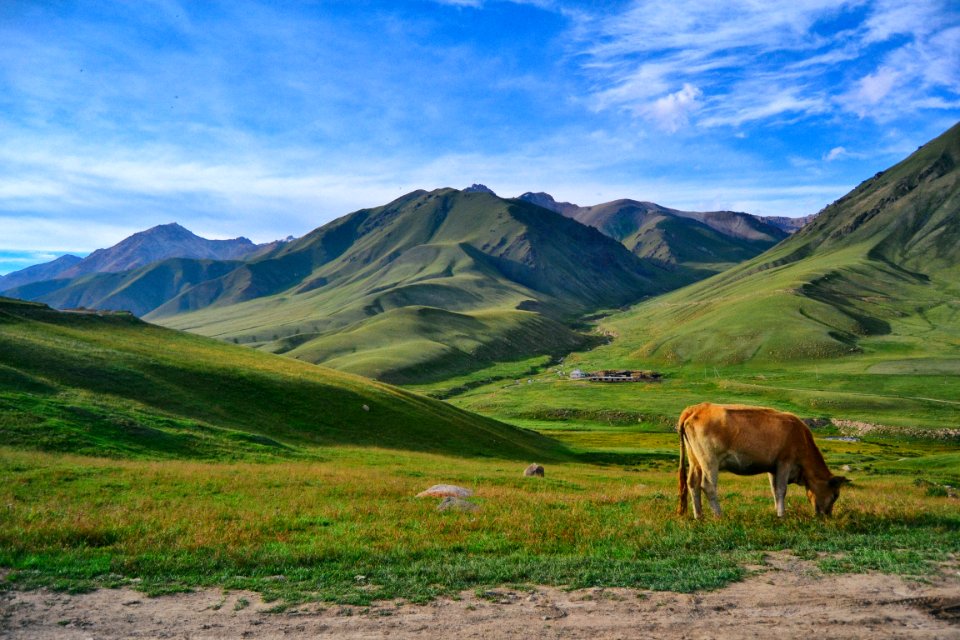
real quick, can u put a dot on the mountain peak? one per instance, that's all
(547, 201)
(169, 230)
(479, 188)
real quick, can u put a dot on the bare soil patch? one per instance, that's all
(785, 598)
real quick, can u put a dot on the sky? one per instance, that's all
(269, 119)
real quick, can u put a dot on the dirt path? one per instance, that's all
(787, 598)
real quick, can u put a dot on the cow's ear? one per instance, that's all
(838, 481)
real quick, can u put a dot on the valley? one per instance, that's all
(145, 457)
(377, 319)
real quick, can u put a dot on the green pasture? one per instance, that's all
(346, 527)
(135, 455)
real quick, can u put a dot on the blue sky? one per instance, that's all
(267, 119)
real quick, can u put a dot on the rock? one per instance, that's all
(846, 467)
(534, 470)
(451, 503)
(366, 407)
(478, 188)
(444, 491)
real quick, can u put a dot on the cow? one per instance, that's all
(748, 441)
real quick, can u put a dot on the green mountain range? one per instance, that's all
(429, 285)
(694, 244)
(109, 384)
(425, 287)
(876, 272)
(711, 241)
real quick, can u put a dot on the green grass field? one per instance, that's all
(116, 386)
(135, 455)
(347, 528)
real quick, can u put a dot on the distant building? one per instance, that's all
(577, 374)
(623, 376)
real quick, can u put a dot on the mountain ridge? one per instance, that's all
(691, 242)
(138, 250)
(462, 259)
(39, 272)
(875, 271)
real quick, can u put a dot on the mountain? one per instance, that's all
(876, 272)
(479, 188)
(694, 243)
(139, 291)
(546, 201)
(138, 274)
(159, 243)
(429, 285)
(139, 250)
(39, 272)
(111, 385)
(790, 225)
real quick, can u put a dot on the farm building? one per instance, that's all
(623, 376)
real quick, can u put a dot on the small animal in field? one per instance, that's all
(748, 441)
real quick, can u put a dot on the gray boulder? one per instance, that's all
(534, 470)
(444, 491)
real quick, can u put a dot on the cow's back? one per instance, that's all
(763, 435)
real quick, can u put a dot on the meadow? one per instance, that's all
(135, 455)
(347, 527)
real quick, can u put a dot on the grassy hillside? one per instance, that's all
(113, 385)
(696, 244)
(430, 285)
(877, 272)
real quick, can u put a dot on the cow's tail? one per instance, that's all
(682, 473)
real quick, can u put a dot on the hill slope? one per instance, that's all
(693, 243)
(113, 385)
(877, 270)
(431, 284)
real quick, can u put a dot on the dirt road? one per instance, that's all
(786, 598)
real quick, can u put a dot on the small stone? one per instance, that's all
(366, 408)
(451, 503)
(847, 467)
(534, 470)
(445, 490)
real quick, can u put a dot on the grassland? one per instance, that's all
(206, 464)
(112, 385)
(348, 528)
(194, 484)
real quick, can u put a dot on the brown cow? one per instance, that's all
(748, 441)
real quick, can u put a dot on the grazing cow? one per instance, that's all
(748, 441)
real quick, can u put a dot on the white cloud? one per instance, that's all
(673, 111)
(835, 153)
(869, 91)
(757, 61)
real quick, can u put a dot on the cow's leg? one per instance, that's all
(710, 475)
(779, 484)
(694, 478)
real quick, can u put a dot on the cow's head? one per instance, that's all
(823, 495)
